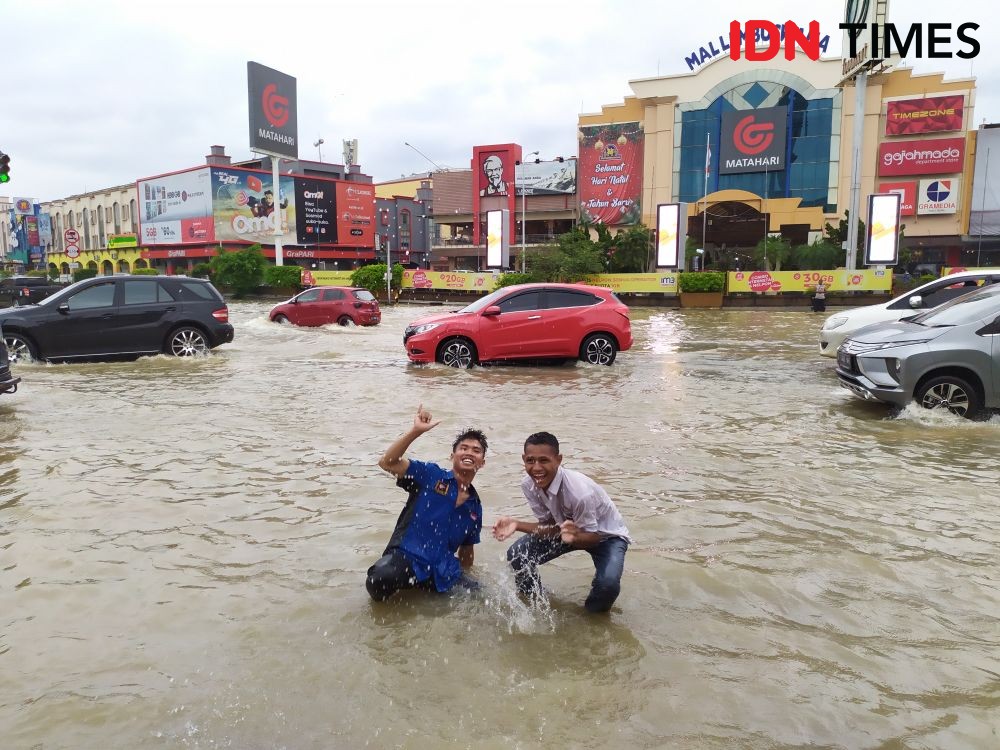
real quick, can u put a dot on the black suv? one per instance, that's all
(26, 290)
(7, 381)
(119, 316)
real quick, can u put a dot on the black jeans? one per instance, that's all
(391, 573)
(530, 551)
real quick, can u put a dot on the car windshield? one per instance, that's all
(976, 305)
(489, 299)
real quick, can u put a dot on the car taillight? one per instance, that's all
(221, 315)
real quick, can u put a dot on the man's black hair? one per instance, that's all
(542, 438)
(470, 434)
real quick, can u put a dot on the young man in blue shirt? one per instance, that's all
(442, 520)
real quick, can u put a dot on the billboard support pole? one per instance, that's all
(860, 87)
(279, 259)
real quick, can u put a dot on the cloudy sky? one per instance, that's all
(101, 93)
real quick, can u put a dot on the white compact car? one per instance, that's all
(841, 325)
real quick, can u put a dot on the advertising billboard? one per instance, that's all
(546, 178)
(273, 119)
(316, 204)
(907, 193)
(882, 229)
(934, 114)
(355, 214)
(497, 239)
(176, 208)
(610, 168)
(938, 196)
(246, 207)
(668, 235)
(938, 156)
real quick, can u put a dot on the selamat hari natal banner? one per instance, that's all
(840, 280)
(610, 173)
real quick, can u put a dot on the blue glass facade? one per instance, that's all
(808, 171)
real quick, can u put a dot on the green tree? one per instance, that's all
(372, 277)
(771, 252)
(629, 250)
(240, 270)
(838, 235)
(819, 256)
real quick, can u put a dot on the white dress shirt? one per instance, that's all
(573, 496)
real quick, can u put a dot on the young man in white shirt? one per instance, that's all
(574, 513)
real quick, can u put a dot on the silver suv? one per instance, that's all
(948, 357)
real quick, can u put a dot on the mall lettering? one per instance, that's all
(710, 51)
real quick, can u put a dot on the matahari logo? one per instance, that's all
(275, 106)
(751, 137)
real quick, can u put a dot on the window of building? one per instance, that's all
(404, 229)
(118, 218)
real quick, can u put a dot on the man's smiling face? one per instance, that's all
(541, 462)
(468, 456)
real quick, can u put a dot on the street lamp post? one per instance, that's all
(524, 217)
(319, 147)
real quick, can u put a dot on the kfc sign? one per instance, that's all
(936, 114)
(907, 192)
(941, 156)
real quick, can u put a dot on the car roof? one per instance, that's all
(559, 285)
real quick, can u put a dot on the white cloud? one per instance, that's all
(108, 92)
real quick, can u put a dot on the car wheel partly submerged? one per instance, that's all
(459, 353)
(345, 320)
(187, 342)
(951, 393)
(598, 349)
(281, 320)
(19, 348)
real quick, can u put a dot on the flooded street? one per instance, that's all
(183, 546)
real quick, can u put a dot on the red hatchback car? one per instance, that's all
(323, 305)
(528, 321)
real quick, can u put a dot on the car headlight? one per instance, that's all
(835, 322)
(425, 327)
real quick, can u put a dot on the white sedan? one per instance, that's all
(841, 325)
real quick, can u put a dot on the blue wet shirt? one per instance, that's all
(431, 528)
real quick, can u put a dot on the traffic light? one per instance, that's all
(4, 167)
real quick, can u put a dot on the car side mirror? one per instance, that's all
(492, 310)
(916, 301)
(64, 308)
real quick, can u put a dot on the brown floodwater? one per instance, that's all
(183, 546)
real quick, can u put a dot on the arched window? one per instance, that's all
(86, 230)
(118, 218)
(131, 214)
(100, 226)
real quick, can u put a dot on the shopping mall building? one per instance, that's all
(755, 148)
